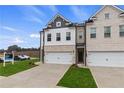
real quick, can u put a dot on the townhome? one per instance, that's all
(105, 37)
(62, 42)
(97, 42)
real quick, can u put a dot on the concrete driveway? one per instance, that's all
(45, 75)
(108, 77)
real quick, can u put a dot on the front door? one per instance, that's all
(81, 55)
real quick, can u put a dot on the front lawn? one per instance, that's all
(77, 77)
(19, 66)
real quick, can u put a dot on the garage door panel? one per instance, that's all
(113, 59)
(59, 58)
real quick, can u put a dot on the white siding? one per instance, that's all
(63, 40)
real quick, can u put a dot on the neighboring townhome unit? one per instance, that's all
(105, 37)
(62, 42)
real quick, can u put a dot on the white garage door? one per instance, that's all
(113, 59)
(59, 58)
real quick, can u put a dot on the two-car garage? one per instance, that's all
(111, 59)
(106, 59)
(59, 57)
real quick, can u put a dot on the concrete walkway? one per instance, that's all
(108, 77)
(1, 77)
(45, 75)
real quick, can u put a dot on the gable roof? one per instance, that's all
(104, 7)
(58, 14)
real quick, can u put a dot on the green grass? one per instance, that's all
(77, 77)
(10, 69)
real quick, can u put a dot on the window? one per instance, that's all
(68, 35)
(107, 31)
(48, 37)
(80, 35)
(121, 28)
(58, 24)
(107, 16)
(93, 32)
(58, 37)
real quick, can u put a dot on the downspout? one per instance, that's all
(76, 44)
(40, 48)
(85, 44)
(43, 46)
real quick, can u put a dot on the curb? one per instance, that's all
(94, 78)
(2, 77)
(62, 77)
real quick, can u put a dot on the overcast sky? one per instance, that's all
(20, 25)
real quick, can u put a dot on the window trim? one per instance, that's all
(58, 37)
(49, 37)
(108, 16)
(92, 33)
(59, 23)
(68, 38)
(80, 35)
(107, 32)
(121, 31)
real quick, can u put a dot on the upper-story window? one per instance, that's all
(68, 35)
(107, 31)
(80, 35)
(58, 24)
(121, 28)
(48, 37)
(58, 36)
(93, 32)
(107, 15)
